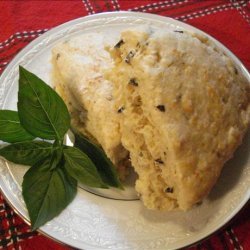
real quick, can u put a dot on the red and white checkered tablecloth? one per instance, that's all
(21, 21)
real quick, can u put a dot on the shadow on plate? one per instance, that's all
(232, 170)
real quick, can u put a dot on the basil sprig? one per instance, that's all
(51, 182)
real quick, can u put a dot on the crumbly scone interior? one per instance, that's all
(184, 109)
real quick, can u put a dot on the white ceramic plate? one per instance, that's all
(94, 222)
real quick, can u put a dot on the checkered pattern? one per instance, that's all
(16, 234)
(23, 21)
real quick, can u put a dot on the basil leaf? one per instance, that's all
(103, 164)
(80, 167)
(56, 156)
(47, 192)
(11, 129)
(27, 153)
(41, 110)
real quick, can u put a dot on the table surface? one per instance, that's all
(23, 21)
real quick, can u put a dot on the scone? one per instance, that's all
(78, 78)
(184, 109)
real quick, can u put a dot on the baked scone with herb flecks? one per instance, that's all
(184, 109)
